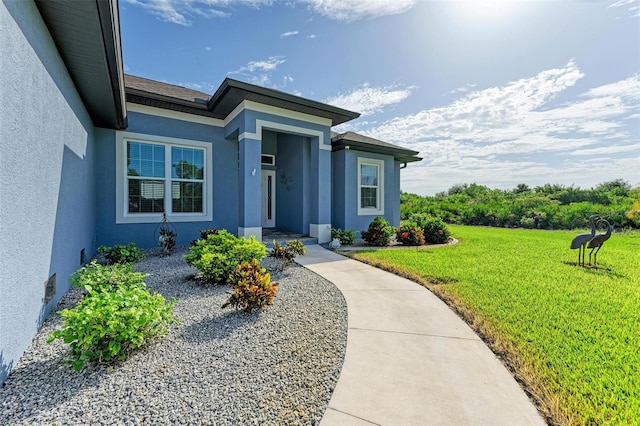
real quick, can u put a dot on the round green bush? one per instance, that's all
(379, 232)
(409, 234)
(434, 229)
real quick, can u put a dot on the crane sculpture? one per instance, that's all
(580, 241)
(596, 242)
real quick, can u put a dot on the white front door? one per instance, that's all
(268, 198)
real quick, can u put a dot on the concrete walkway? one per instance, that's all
(410, 360)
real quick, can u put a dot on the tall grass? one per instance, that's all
(571, 335)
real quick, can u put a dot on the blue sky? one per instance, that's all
(493, 92)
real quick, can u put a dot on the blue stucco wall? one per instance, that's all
(292, 182)
(345, 190)
(338, 188)
(225, 181)
(47, 205)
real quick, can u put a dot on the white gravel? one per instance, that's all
(275, 366)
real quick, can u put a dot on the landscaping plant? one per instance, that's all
(219, 254)
(129, 253)
(346, 237)
(287, 254)
(95, 277)
(409, 234)
(116, 316)
(379, 232)
(434, 229)
(252, 287)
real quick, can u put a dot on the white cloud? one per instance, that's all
(516, 133)
(182, 12)
(207, 48)
(353, 10)
(633, 6)
(370, 100)
(259, 72)
(289, 33)
(312, 36)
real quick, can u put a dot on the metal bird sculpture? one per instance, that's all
(597, 241)
(580, 241)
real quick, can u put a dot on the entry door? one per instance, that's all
(268, 198)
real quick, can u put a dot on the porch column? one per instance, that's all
(250, 219)
(320, 214)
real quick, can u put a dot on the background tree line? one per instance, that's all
(550, 206)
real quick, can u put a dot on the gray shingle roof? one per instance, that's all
(369, 144)
(164, 89)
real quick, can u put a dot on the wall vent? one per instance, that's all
(49, 289)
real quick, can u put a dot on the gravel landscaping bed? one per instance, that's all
(278, 365)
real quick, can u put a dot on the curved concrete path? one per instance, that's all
(410, 360)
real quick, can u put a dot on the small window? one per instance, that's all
(268, 160)
(370, 187)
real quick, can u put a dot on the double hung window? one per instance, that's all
(162, 177)
(370, 186)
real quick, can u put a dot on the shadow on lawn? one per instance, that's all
(599, 270)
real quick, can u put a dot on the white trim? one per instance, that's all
(271, 125)
(380, 195)
(122, 214)
(248, 232)
(321, 231)
(175, 115)
(268, 223)
(273, 159)
(281, 112)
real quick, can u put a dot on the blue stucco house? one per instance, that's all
(90, 156)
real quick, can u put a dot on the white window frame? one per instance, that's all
(122, 203)
(379, 210)
(271, 156)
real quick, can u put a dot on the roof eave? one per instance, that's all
(110, 23)
(99, 79)
(399, 154)
(337, 115)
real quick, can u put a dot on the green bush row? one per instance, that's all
(420, 228)
(541, 207)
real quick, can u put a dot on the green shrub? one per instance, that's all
(379, 232)
(252, 287)
(111, 321)
(346, 237)
(204, 233)
(409, 234)
(287, 254)
(121, 254)
(95, 277)
(218, 255)
(434, 229)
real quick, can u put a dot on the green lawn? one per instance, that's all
(571, 334)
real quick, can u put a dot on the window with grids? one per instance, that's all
(370, 183)
(157, 170)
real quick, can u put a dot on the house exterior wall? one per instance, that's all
(345, 190)
(313, 134)
(47, 205)
(224, 180)
(292, 183)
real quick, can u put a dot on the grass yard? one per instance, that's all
(570, 335)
